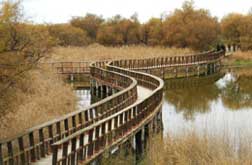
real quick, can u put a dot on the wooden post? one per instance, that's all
(58, 130)
(74, 123)
(41, 140)
(55, 154)
(21, 149)
(90, 143)
(64, 153)
(10, 153)
(66, 127)
(73, 151)
(50, 132)
(80, 120)
(80, 155)
(32, 146)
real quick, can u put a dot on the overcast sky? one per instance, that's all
(59, 11)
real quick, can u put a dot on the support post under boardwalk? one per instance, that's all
(139, 144)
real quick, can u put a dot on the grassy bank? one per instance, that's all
(36, 98)
(239, 59)
(98, 52)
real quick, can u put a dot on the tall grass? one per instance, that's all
(239, 58)
(195, 149)
(38, 97)
(98, 52)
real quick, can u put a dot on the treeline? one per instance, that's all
(185, 27)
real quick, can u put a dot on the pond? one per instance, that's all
(216, 106)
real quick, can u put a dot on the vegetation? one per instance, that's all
(189, 27)
(186, 27)
(28, 95)
(239, 58)
(67, 35)
(192, 148)
(236, 29)
(96, 52)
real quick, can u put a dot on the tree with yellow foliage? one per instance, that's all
(190, 27)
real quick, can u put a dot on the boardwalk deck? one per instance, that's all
(142, 94)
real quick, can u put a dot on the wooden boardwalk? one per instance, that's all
(143, 93)
(130, 111)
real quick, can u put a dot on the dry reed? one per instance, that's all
(98, 52)
(192, 148)
(38, 98)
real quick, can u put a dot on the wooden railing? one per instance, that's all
(93, 140)
(202, 58)
(36, 142)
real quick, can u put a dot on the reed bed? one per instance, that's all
(98, 52)
(193, 149)
(39, 97)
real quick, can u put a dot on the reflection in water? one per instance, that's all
(192, 98)
(238, 94)
(84, 97)
(216, 108)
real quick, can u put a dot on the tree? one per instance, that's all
(246, 33)
(67, 35)
(190, 27)
(230, 28)
(118, 31)
(22, 45)
(152, 32)
(90, 24)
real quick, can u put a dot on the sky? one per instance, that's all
(61, 11)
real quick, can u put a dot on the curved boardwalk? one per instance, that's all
(130, 112)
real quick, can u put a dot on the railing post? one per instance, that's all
(55, 154)
(32, 146)
(41, 140)
(58, 130)
(66, 127)
(64, 153)
(21, 149)
(10, 153)
(90, 143)
(50, 132)
(73, 151)
(80, 154)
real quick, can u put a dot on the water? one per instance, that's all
(84, 97)
(217, 105)
(218, 108)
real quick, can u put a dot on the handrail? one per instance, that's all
(151, 63)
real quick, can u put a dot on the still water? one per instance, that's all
(218, 108)
(217, 105)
